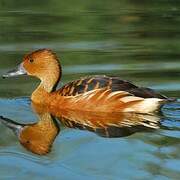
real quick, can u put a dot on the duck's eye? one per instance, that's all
(28, 142)
(31, 60)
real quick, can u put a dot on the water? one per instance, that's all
(135, 40)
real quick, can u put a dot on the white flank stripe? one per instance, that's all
(102, 94)
(117, 93)
(148, 105)
(130, 98)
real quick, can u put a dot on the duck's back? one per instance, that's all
(112, 83)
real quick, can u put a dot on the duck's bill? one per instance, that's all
(19, 70)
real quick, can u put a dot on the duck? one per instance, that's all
(98, 93)
(36, 137)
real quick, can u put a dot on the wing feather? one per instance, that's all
(107, 101)
(112, 83)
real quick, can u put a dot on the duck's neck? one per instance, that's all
(47, 85)
(46, 122)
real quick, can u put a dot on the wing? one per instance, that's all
(112, 83)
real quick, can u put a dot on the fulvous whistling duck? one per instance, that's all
(98, 93)
(36, 137)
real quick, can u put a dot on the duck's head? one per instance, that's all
(37, 138)
(42, 64)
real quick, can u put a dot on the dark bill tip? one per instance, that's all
(19, 70)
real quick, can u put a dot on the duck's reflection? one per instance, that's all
(39, 137)
(110, 125)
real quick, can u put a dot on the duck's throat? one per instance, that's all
(48, 84)
(43, 91)
(40, 95)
